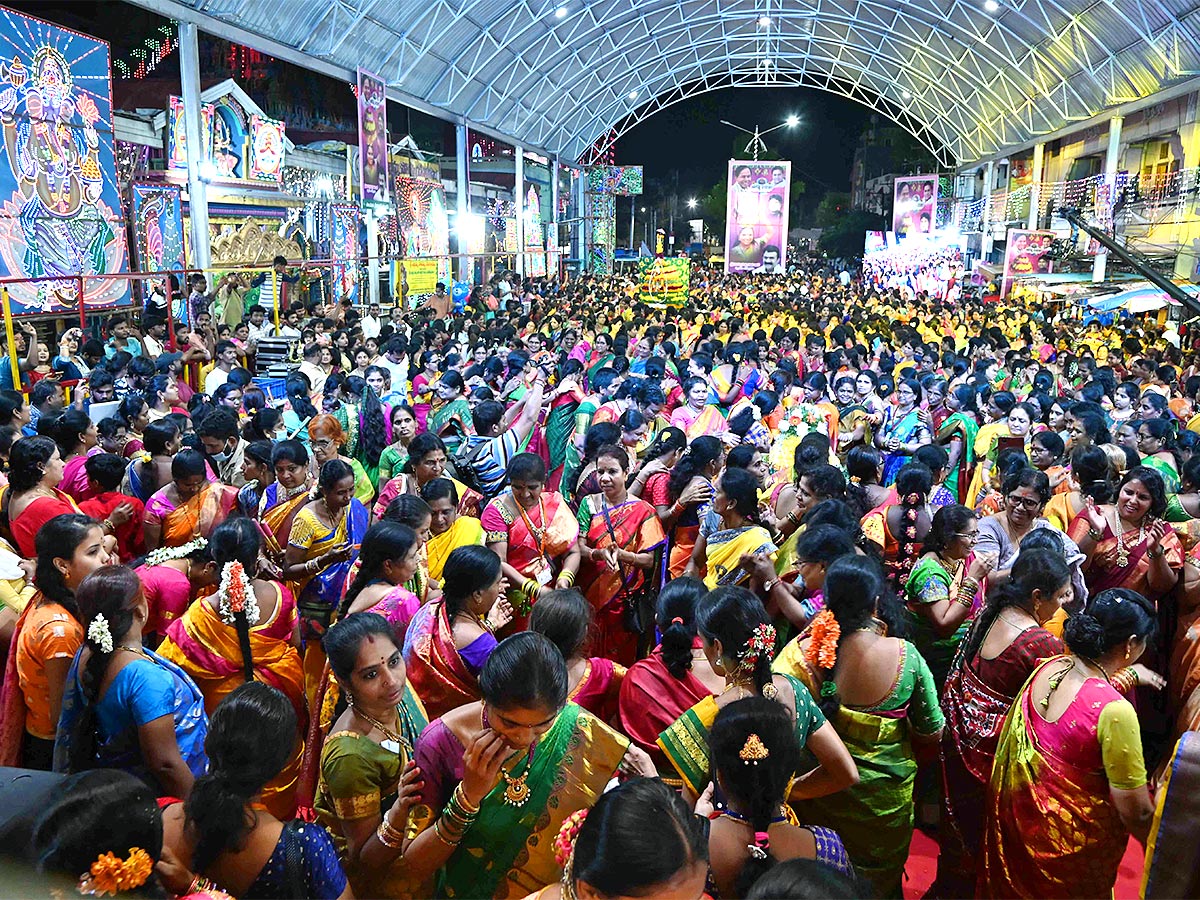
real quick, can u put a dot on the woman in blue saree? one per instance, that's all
(323, 545)
(905, 428)
(149, 720)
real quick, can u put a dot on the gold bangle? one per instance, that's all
(460, 797)
(388, 836)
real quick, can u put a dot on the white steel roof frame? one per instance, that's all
(967, 83)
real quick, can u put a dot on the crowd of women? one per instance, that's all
(613, 601)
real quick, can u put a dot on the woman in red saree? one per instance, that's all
(35, 471)
(620, 539)
(450, 639)
(1127, 543)
(1005, 645)
(1068, 785)
(675, 677)
(534, 533)
(189, 507)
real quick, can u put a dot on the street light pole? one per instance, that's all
(756, 137)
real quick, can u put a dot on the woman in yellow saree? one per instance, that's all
(448, 529)
(1069, 781)
(736, 502)
(283, 498)
(222, 647)
(189, 507)
(323, 545)
(508, 771)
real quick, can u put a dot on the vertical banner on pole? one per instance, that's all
(10, 338)
(757, 216)
(372, 136)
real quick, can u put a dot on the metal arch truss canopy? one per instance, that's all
(968, 78)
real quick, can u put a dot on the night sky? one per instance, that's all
(689, 138)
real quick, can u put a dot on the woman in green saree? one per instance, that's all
(739, 642)
(560, 421)
(368, 782)
(603, 383)
(500, 776)
(957, 435)
(600, 357)
(846, 659)
(1155, 441)
(451, 416)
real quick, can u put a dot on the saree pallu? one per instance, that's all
(320, 594)
(275, 514)
(652, 699)
(904, 430)
(573, 455)
(986, 441)
(123, 751)
(1183, 666)
(725, 551)
(1171, 869)
(1162, 467)
(974, 716)
(559, 432)
(848, 420)
(452, 422)
(436, 670)
(196, 517)
(208, 650)
(1050, 829)
(464, 532)
(963, 427)
(468, 500)
(509, 850)
(929, 583)
(685, 741)
(75, 481)
(596, 363)
(710, 421)
(636, 528)
(502, 521)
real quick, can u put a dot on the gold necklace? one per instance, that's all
(393, 737)
(1123, 549)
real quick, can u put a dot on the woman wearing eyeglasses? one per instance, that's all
(1024, 493)
(943, 591)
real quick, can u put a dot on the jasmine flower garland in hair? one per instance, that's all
(233, 595)
(99, 634)
(166, 554)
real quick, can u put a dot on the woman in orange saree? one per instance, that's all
(189, 507)
(534, 533)
(1069, 782)
(221, 649)
(620, 537)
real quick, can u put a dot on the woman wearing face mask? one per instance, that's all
(1070, 753)
(500, 776)
(1005, 645)
(189, 507)
(256, 469)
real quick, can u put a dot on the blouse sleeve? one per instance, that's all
(933, 588)
(924, 713)
(149, 691)
(656, 493)
(433, 755)
(326, 880)
(303, 533)
(58, 638)
(584, 516)
(808, 715)
(495, 529)
(350, 778)
(1120, 739)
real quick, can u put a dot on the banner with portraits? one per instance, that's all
(1025, 254)
(756, 216)
(914, 206)
(372, 136)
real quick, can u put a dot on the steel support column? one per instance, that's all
(1110, 183)
(189, 78)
